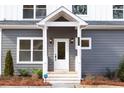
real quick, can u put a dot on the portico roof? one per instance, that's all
(65, 13)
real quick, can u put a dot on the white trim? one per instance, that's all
(39, 27)
(19, 27)
(45, 56)
(66, 40)
(59, 10)
(34, 38)
(0, 50)
(62, 24)
(76, 42)
(90, 43)
(105, 27)
(34, 62)
(78, 64)
(31, 39)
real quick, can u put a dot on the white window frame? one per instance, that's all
(90, 43)
(34, 13)
(18, 44)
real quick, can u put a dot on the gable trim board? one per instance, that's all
(65, 11)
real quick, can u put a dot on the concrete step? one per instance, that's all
(63, 80)
(61, 72)
(74, 82)
(62, 75)
(69, 79)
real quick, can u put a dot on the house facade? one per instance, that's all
(67, 42)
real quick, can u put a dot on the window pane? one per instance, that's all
(79, 9)
(25, 44)
(61, 50)
(28, 6)
(85, 43)
(40, 13)
(24, 56)
(37, 44)
(37, 56)
(28, 13)
(41, 6)
(118, 7)
(118, 14)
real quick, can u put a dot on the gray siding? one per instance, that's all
(60, 32)
(107, 50)
(9, 41)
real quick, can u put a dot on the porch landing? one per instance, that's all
(63, 77)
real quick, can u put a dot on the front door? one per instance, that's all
(61, 54)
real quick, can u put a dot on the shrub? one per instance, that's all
(8, 70)
(38, 72)
(110, 74)
(90, 77)
(23, 72)
(121, 71)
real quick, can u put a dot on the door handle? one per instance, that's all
(55, 57)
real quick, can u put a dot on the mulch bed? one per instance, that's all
(22, 81)
(101, 82)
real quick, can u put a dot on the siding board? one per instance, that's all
(9, 41)
(107, 51)
(60, 32)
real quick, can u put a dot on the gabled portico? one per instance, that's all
(62, 20)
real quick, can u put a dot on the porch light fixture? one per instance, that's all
(72, 40)
(50, 40)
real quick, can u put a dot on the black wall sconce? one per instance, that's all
(50, 40)
(72, 40)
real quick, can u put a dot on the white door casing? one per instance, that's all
(61, 60)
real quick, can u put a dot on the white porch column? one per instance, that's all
(0, 51)
(45, 58)
(79, 52)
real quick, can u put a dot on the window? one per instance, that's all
(86, 43)
(34, 12)
(79, 9)
(28, 11)
(118, 11)
(30, 50)
(40, 11)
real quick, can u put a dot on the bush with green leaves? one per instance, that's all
(121, 71)
(38, 72)
(8, 70)
(23, 72)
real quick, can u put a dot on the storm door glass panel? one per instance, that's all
(61, 50)
(37, 50)
(25, 50)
